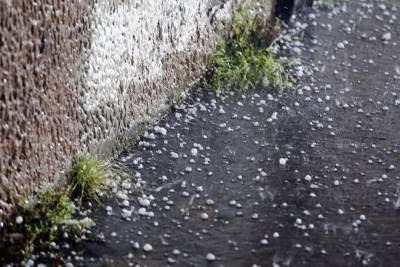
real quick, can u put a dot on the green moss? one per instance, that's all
(88, 177)
(243, 59)
(37, 223)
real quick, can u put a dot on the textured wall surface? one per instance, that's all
(39, 46)
(79, 74)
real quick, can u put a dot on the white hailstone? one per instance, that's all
(387, 36)
(126, 213)
(144, 202)
(210, 202)
(391, 167)
(307, 178)
(147, 247)
(340, 211)
(247, 118)
(363, 217)
(232, 202)
(340, 45)
(254, 216)
(194, 152)
(313, 144)
(149, 136)
(283, 161)
(336, 182)
(264, 242)
(160, 130)
(135, 245)
(19, 219)
(142, 211)
(125, 203)
(297, 50)
(108, 208)
(174, 155)
(126, 185)
(299, 221)
(176, 252)
(204, 216)
(210, 257)
(171, 260)
(276, 235)
(265, 81)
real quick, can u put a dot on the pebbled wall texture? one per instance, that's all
(81, 75)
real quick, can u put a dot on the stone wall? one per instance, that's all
(80, 75)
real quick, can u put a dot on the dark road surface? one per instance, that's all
(304, 177)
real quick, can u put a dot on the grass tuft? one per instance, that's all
(41, 220)
(243, 59)
(88, 178)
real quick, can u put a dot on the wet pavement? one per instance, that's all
(300, 177)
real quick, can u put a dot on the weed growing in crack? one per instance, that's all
(88, 177)
(37, 223)
(40, 221)
(243, 59)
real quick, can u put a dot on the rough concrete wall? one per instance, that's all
(79, 75)
(39, 45)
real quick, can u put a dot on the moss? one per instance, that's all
(37, 223)
(243, 58)
(88, 177)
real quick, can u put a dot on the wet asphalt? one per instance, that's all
(307, 176)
